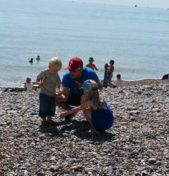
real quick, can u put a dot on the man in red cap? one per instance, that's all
(72, 82)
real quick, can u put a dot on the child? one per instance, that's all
(48, 81)
(96, 112)
(118, 82)
(91, 65)
(110, 72)
(28, 85)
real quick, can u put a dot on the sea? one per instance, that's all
(136, 38)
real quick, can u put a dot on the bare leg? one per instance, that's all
(87, 114)
(110, 81)
(110, 76)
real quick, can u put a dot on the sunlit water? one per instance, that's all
(136, 38)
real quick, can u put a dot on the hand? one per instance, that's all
(62, 115)
(40, 82)
(59, 98)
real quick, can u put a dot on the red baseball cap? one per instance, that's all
(74, 64)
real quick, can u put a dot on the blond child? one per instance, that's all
(49, 81)
(96, 112)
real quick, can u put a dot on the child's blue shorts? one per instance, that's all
(47, 105)
(102, 119)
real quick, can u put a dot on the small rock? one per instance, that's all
(77, 167)
(152, 160)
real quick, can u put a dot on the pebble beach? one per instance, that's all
(136, 145)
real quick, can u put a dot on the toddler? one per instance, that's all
(48, 81)
(28, 85)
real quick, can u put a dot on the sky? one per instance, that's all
(145, 3)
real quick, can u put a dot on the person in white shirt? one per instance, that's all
(28, 84)
(118, 82)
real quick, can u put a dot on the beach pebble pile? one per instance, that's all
(136, 145)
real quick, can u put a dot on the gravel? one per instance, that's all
(136, 145)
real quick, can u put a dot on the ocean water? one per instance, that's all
(136, 38)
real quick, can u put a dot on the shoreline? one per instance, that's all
(126, 82)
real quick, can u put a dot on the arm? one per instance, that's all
(41, 81)
(41, 78)
(84, 106)
(58, 83)
(73, 110)
(63, 95)
(113, 69)
(96, 68)
(65, 84)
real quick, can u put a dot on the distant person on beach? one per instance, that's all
(96, 112)
(166, 76)
(38, 58)
(31, 61)
(118, 82)
(72, 82)
(49, 81)
(28, 84)
(110, 72)
(91, 65)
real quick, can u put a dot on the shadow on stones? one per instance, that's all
(51, 130)
(81, 129)
(74, 125)
(94, 137)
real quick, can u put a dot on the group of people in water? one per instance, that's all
(32, 59)
(77, 91)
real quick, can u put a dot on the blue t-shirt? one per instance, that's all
(75, 86)
(102, 119)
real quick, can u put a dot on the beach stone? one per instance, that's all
(77, 167)
(152, 160)
(144, 173)
(54, 168)
(137, 174)
(137, 146)
(40, 174)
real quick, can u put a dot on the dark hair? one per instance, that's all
(118, 76)
(28, 80)
(106, 65)
(91, 58)
(112, 62)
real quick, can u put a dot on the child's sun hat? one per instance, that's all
(89, 85)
